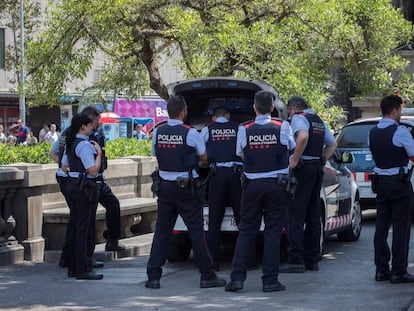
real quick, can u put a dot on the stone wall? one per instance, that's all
(26, 190)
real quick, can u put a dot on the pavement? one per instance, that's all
(45, 286)
(344, 282)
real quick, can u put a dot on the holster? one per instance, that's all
(374, 181)
(61, 179)
(201, 189)
(409, 174)
(156, 181)
(282, 179)
(183, 182)
(243, 180)
(238, 169)
(92, 190)
(291, 186)
(212, 168)
(81, 182)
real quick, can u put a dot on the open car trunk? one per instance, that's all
(237, 95)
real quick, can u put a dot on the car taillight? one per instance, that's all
(361, 176)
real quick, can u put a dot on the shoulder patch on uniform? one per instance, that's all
(247, 123)
(276, 121)
(187, 126)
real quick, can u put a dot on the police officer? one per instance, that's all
(314, 144)
(391, 146)
(84, 158)
(178, 148)
(107, 198)
(56, 153)
(264, 144)
(224, 176)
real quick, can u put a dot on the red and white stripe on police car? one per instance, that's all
(338, 222)
(361, 176)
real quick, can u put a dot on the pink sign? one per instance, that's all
(155, 109)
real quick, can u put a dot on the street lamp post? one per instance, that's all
(22, 98)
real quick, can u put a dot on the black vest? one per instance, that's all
(62, 144)
(171, 149)
(385, 153)
(314, 147)
(75, 163)
(221, 144)
(264, 152)
(99, 137)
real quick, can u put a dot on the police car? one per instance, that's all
(341, 213)
(353, 138)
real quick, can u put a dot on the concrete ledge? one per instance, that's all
(136, 246)
(137, 217)
(128, 207)
(11, 254)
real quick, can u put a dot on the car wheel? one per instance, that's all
(179, 249)
(354, 230)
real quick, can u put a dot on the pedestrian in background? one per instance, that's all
(264, 144)
(42, 133)
(11, 140)
(52, 135)
(225, 167)
(3, 137)
(178, 148)
(314, 144)
(23, 133)
(392, 146)
(139, 133)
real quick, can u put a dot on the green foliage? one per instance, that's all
(295, 45)
(124, 147)
(26, 154)
(39, 153)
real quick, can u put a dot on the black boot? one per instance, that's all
(114, 246)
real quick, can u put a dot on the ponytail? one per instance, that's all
(77, 121)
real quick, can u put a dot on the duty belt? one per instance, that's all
(311, 161)
(392, 177)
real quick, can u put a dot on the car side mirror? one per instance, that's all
(345, 157)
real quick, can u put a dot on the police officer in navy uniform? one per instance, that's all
(84, 158)
(391, 146)
(264, 144)
(178, 148)
(224, 175)
(107, 198)
(314, 144)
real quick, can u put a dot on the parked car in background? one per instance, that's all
(353, 138)
(341, 213)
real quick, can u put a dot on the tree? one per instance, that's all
(10, 17)
(294, 45)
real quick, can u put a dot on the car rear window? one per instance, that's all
(354, 136)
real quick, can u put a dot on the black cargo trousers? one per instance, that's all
(113, 220)
(174, 201)
(394, 205)
(305, 208)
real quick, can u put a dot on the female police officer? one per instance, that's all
(84, 159)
